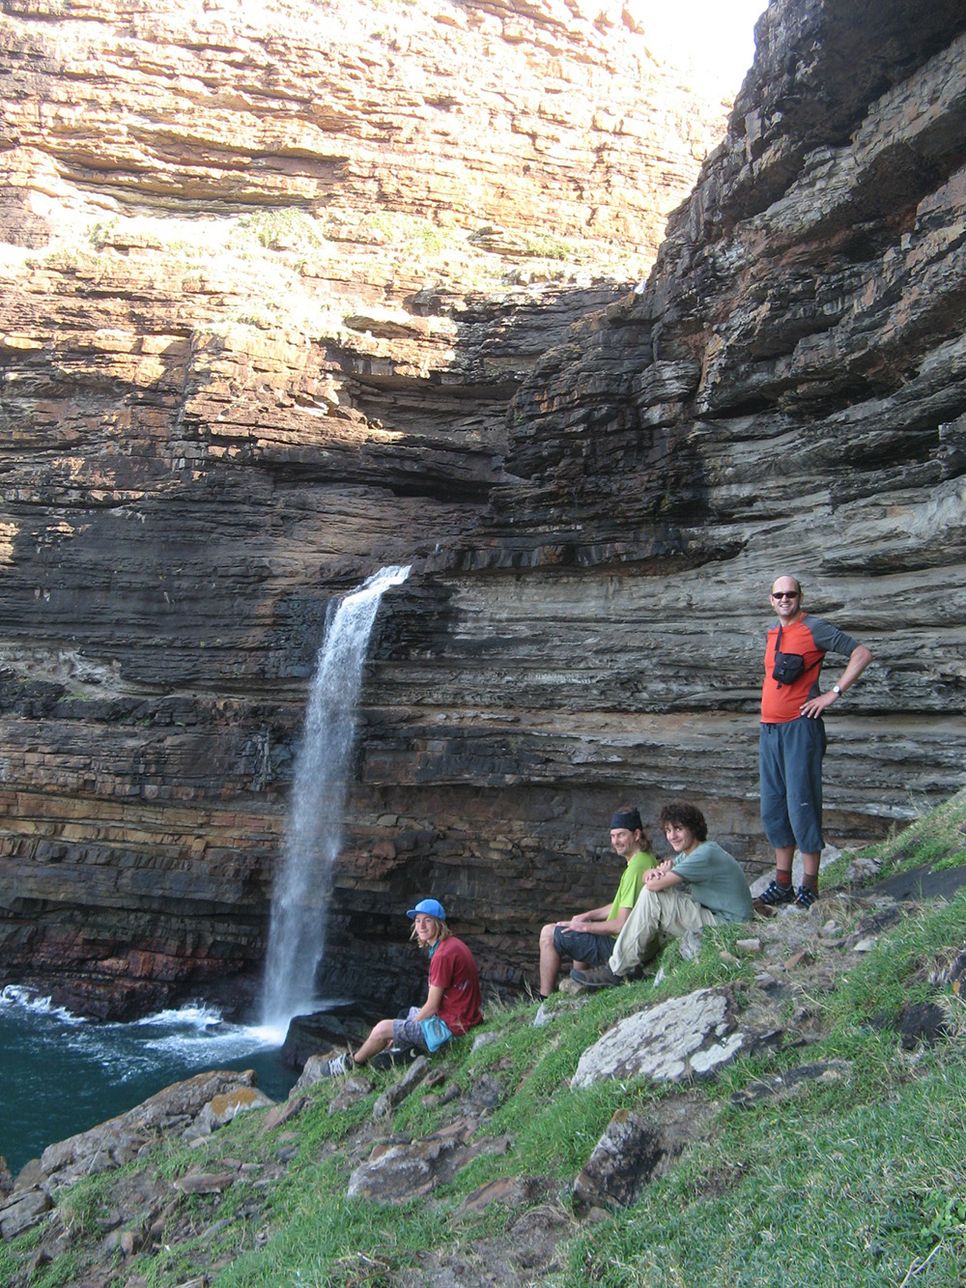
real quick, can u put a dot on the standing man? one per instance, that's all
(588, 938)
(792, 739)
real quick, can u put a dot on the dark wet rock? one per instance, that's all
(339, 1025)
(792, 1080)
(922, 1023)
(624, 1159)
(924, 883)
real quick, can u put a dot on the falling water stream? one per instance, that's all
(300, 898)
(62, 1074)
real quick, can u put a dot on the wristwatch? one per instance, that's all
(836, 690)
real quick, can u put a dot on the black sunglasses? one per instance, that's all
(785, 594)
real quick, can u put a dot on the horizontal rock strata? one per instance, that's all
(281, 306)
(270, 277)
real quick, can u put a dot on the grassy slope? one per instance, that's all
(858, 1182)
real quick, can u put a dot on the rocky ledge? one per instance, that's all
(796, 958)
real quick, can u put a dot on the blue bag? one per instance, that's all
(435, 1032)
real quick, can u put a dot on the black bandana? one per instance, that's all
(631, 820)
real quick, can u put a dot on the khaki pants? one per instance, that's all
(663, 912)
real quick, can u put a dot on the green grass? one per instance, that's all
(857, 1181)
(937, 840)
(823, 1191)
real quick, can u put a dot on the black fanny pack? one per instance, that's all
(788, 667)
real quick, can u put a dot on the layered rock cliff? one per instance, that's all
(271, 275)
(289, 301)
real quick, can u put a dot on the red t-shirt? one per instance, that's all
(811, 638)
(453, 969)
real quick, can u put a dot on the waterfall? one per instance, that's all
(313, 834)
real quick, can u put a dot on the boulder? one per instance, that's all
(117, 1141)
(397, 1173)
(673, 1041)
(224, 1107)
(623, 1161)
(22, 1212)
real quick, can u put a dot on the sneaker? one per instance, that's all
(338, 1065)
(775, 894)
(596, 977)
(805, 897)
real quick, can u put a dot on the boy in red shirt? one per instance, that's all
(453, 995)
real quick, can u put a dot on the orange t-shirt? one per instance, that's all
(811, 638)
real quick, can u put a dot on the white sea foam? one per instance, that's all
(193, 1036)
(195, 1015)
(28, 999)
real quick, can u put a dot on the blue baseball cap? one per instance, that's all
(431, 908)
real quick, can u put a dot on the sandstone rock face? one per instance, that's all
(270, 275)
(786, 394)
(208, 435)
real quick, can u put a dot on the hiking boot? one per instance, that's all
(596, 977)
(805, 897)
(775, 894)
(338, 1065)
(382, 1060)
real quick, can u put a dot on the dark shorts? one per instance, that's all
(581, 946)
(409, 1032)
(790, 769)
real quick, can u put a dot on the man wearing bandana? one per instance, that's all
(588, 938)
(700, 886)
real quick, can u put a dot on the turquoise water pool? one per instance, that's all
(60, 1074)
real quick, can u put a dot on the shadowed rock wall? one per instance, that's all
(786, 395)
(208, 435)
(270, 276)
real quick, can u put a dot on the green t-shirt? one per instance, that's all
(715, 879)
(631, 882)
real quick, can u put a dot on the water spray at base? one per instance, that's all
(314, 831)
